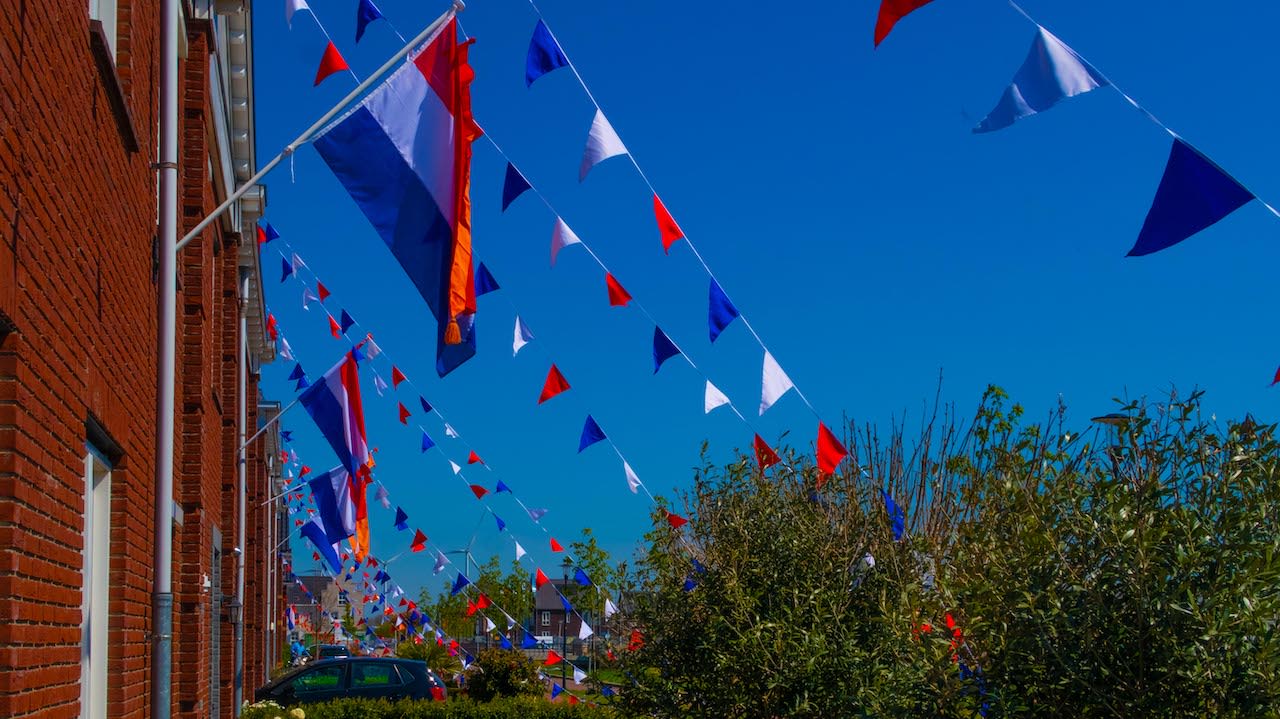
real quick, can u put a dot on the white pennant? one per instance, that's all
(449, 431)
(307, 297)
(583, 633)
(379, 384)
(519, 551)
(489, 625)
(285, 350)
(383, 497)
(456, 467)
(511, 623)
(523, 337)
(602, 143)
(580, 676)
(632, 480)
(775, 383)
(371, 350)
(713, 398)
(610, 608)
(292, 6)
(440, 562)
(561, 237)
(297, 261)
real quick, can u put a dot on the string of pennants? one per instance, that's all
(408, 618)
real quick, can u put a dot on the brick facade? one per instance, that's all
(78, 334)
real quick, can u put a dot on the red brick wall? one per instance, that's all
(76, 226)
(77, 223)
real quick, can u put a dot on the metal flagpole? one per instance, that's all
(305, 137)
(269, 424)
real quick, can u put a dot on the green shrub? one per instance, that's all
(507, 708)
(503, 673)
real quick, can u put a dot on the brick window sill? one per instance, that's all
(106, 63)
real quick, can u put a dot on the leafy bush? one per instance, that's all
(502, 673)
(509, 708)
(1129, 570)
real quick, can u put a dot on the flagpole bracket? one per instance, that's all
(459, 6)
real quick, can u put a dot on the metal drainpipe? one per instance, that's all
(241, 392)
(167, 285)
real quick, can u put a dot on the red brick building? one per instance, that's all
(78, 343)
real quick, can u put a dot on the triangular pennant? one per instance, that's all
(528, 642)
(555, 384)
(602, 143)
(426, 406)
(334, 329)
(1193, 195)
(1051, 73)
(285, 350)
(484, 281)
(379, 384)
(663, 348)
(427, 442)
(330, 63)
(347, 321)
(591, 433)
(544, 54)
(1276, 380)
(522, 337)
(713, 398)
(479, 491)
(307, 297)
(419, 541)
(402, 520)
(564, 601)
(675, 520)
(721, 311)
(668, 230)
(291, 7)
(301, 384)
(440, 562)
(610, 608)
(519, 551)
(404, 414)
(270, 232)
(501, 524)
(324, 293)
(366, 13)
(618, 295)
(555, 546)
(286, 268)
(505, 643)
(774, 383)
(474, 458)
(297, 372)
(502, 487)
(633, 482)
(513, 186)
(556, 689)
(765, 456)
(830, 453)
(383, 497)
(537, 513)
(459, 583)
(456, 467)
(891, 11)
(561, 237)
(897, 518)
(396, 376)
(581, 577)
(539, 579)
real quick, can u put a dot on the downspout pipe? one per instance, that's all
(167, 286)
(243, 494)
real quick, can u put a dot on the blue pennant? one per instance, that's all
(427, 442)
(1193, 195)
(544, 55)
(459, 583)
(663, 348)
(513, 186)
(591, 433)
(722, 311)
(402, 520)
(485, 282)
(286, 268)
(365, 14)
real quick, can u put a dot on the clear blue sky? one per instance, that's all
(842, 202)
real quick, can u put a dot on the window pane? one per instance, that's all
(373, 674)
(319, 680)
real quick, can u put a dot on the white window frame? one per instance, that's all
(108, 13)
(546, 618)
(95, 586)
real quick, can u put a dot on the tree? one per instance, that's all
(502, 673)
(1125, 571)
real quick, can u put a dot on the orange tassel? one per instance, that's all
(452, 333)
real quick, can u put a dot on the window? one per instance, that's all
(370, 674)
(95, 575)
(106, 12)
(320, 680)
(546, 619)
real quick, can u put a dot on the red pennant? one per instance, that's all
(314, 555)
(262, 235)
(478, 491)
(830, 453)
(552, 659)
(388, 611)
(675, 520)
(397, 376)
(891, 11)
(1276, 381)
(334, 328)
(322, 291)
(419, 541)
(471, 608)
(765, 457)
(609, 655)
(305, 471)
(637, 640)
(404, 414)
(297, 522)
(573, 699)
(271, 328)
(540, 579)
(618, 296)
(331, 62)
(554, 385)
(482, 602)
(555, 546)
(667, 226)
(951, 622)
(474, 458)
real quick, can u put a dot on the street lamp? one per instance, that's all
(563, 647)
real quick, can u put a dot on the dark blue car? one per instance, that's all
(354, 677)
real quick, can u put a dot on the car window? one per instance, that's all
(374, 674)
(318, 680)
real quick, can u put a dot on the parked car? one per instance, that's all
(332, 651)
(354, 677)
